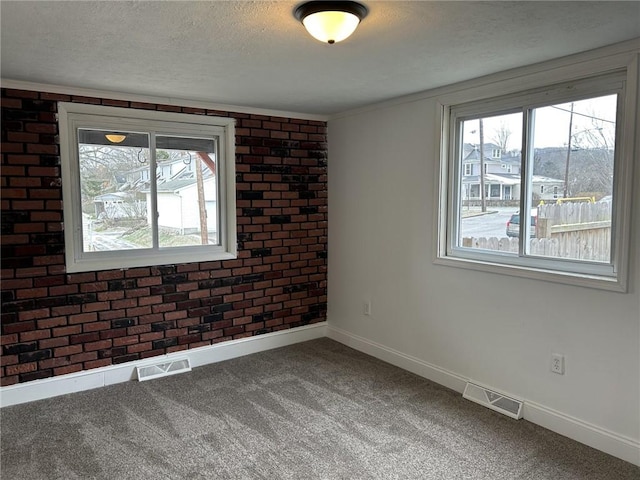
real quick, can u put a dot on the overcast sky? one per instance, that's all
(552, 124)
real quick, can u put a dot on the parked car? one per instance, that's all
(513, 225)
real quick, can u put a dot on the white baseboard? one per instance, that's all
(614, 444)
(100, 377)
(399, 359)
(604, 440)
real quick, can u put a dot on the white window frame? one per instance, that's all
(75, 116)
(537, 90)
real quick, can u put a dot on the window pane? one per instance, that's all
(187, 191)
(491, 145)
(114, 174)
(572, 182)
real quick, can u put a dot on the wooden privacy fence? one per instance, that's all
(579, 231)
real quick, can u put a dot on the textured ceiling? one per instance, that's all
(256, 54)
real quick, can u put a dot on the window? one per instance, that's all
(567, 134)
(146, 188)
(467, 169)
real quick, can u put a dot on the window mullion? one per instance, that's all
(153, 188)
(526, 174)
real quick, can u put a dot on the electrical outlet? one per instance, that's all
(557, 363)
(366, 308)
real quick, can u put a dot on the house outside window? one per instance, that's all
(577, 128)
(146, 188)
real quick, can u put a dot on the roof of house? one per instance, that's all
(509, 179)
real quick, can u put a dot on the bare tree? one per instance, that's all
(501, 136)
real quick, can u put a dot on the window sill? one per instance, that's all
(133, 259)
(613, 284)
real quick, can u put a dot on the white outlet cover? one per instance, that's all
(557, 363)
(366, 308)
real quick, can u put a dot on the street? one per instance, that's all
(102, 241)
(489, 225)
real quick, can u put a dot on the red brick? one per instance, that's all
(31, 293)
(139, 347)
(118, 342)
(136, 292)
(101, 344)
(10, 328)
(12, 147)
(137, 272)
(41, 127)
(12, 283)
(7, 339)
(55, 96)
(163, 307)
(151, 318)
(147, 337)
(95, 306)
(138, 329)
(54, 362)
(104, 296)
(95, 326)
(21, 368)
(94, 287)
(54, 342)
(64, 331)
(67, 369)
(51, 280)
(115, 103)
(64, 290)
(134, 312)
(103, 362)
(12, 102)
(65, 310)
(111, 275)
(34, 314)
(84, 357)
(81, 277)
(82, 99)
(8, 360)
(175, 315)
(6, 381)
(147, 282)
(34, 335)
(112, 314)
(126, 303)
(83, 318)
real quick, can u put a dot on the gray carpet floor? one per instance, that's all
(315, 410)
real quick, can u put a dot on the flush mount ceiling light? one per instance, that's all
(330, 22)
(115, 137)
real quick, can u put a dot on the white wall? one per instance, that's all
(497, 330)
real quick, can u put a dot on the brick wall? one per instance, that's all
(55, 323)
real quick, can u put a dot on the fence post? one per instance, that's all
(543, 228)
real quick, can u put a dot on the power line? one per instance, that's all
(583, 114)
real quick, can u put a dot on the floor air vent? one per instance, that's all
(148, 372)
(493, 400)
